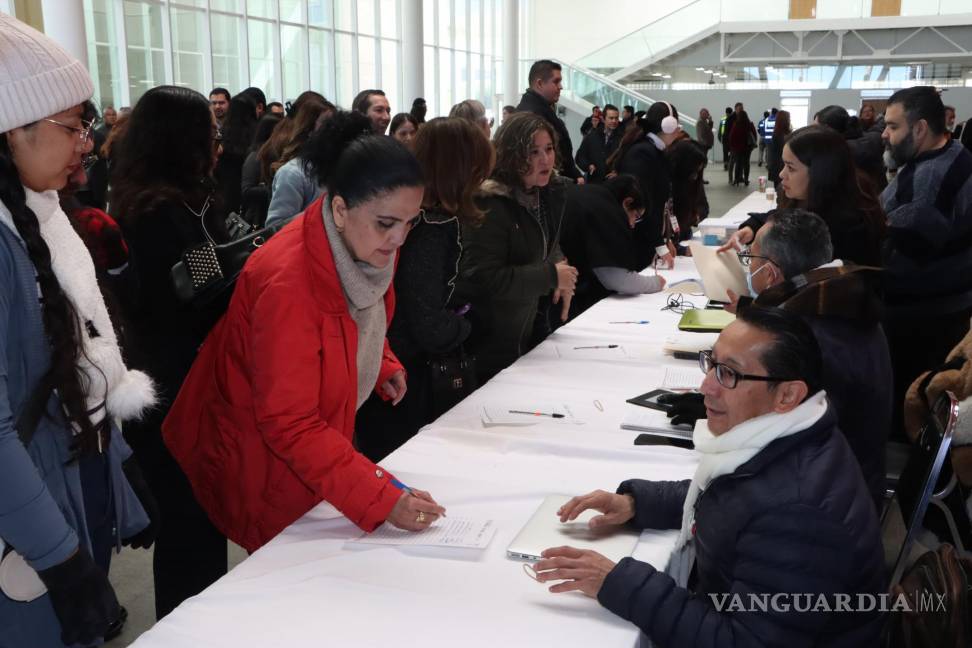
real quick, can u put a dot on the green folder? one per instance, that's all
(705, 320)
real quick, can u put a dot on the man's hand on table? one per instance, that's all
(615, 509)
(582, 570)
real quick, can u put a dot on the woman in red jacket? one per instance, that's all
(263, 424)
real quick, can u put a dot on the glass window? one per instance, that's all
(321, 60)
(459, 26)
(343, 70)
(444, 16)
(476, 79)
(488, 27)
(290, 10)
(462, 77)
(343, 16)
(428, 24)
(100, 21)
(319, 12)
(229, 67)
(445, 81)
(475, 26)
(188, 42)
(366, 17)
(389, 18)
(367, 65)
(262, 66)
(390, 73)
(430, 93)
(234, 6)
(146, 58)
(294, 59)
(260, 8)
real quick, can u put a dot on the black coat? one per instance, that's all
(844, 313)
(650, 166)
(507, 268)
(596, 234)
(533, 103)
(425, 326)
(594, 150)
(795, 518)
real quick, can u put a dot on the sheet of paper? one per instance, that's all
(720, 272)
(682, 378)
(444, 532)
(690, 342)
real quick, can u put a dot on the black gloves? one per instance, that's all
(82, 597)
(144, 538)
(684, 408)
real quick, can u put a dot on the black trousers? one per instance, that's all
(190, 553)
(918, 344)
(741, 166)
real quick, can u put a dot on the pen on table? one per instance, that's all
(631, 322)
(601, 346)
(553, 415)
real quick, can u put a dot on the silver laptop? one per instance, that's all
(544, 530)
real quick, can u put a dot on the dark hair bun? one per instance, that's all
(353, 162)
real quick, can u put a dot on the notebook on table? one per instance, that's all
(545, 530)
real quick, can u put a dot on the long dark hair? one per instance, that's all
(456, 158)
(686, 159)
(781, 129)
(304, 123)
(166, 153)
(272, 150)
(60, 319)
(835, 191)
(240, 125)
(263, 130)
(648, 122)
(353, 162)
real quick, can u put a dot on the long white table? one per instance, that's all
(309, 587)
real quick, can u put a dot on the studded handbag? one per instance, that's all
(208, 271)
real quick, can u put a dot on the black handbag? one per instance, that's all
(208, 271)
(452, 377)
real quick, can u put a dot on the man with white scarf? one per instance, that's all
(776, 513)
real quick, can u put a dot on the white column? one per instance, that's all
(64, 23)
(413, 57)
(511, 52)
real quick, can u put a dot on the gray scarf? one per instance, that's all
(364, 288)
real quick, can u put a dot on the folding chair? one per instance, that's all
(927, 480)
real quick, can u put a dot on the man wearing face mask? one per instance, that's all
(928, 254)
(789, 266)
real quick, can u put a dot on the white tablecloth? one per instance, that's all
(309, 587)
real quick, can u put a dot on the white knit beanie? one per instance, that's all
(37, 77)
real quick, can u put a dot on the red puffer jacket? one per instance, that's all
(263, 424)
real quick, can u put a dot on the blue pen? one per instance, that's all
(632, 322)
(399, 485)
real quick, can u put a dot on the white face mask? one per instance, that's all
(749, 280)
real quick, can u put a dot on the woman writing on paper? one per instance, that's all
(263, 426)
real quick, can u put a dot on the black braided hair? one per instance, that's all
(60, 319)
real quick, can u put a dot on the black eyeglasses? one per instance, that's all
(727, 376)
(746, 259)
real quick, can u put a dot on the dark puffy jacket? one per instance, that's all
(507, 266)
(844, 313)
(650, 166)
(795, 518)
(533, 103)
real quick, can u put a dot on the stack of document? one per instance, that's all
(655, 422)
